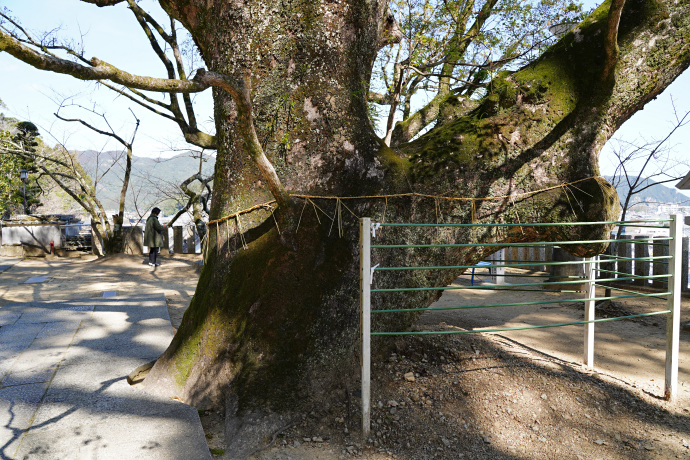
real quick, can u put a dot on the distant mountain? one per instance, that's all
(660, 193)
(152, 180)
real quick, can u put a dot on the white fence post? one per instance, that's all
(499, 272)
(590, 293)
(365, 319)
(684, 265)
(673, 318)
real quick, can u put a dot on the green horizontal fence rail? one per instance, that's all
(670, 281)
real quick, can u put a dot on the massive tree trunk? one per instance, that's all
(274, 321)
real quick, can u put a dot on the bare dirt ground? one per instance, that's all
(89, 276)
(508, 395)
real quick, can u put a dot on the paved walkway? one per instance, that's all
(63, 387)
(7, 263)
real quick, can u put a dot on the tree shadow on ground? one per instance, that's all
(65, 391)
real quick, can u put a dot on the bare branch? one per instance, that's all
(642, 180)
(142, 102)
(98, 70)
(45, 44)
(91, 127)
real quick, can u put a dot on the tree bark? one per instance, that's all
(273, 325)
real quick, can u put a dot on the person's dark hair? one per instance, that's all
(155, 211)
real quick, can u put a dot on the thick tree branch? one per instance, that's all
(99, 70)
(191, 116)
(200, 139)
(188, 126)
(395, 98)
(611, 39)
(405, 130)
(242, 97)
(144, 20)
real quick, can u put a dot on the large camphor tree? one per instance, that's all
(273, 325)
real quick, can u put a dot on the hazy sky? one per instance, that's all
(112, 34)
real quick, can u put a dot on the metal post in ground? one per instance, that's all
(590, 294)
(675, 250)
(684, 265)
(499, 272)
(365, 319)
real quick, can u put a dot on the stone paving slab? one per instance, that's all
(8, 317)
(120, 440)
(8, 262)
(37, 279)
(18, 405)
(63, 387)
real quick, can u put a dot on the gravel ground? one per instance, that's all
(489, 398)
(517, 395)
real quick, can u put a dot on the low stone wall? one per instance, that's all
(36, 236)
(133, 240)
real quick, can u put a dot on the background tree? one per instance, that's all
(640, 167)
(451, 50)
(273, 328)
(16, 136)
(62, 167)
(111, 236)
(191, 196)
(195, 194)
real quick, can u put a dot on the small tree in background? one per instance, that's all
(60, 166)
(111, 235)
(18, 137)
(640, 167)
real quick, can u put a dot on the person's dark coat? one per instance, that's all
(153, 232)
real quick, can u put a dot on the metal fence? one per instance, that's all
(601, 271)
(629, 256)
(76, 237)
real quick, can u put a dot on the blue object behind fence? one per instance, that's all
(482, 264)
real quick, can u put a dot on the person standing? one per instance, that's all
(153, 236)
